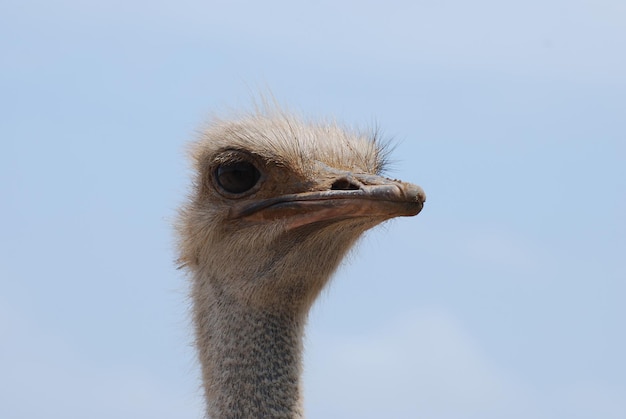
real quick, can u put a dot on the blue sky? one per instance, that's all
(503, 298)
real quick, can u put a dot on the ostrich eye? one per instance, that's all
(237, 177)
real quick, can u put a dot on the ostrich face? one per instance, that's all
(272, 189)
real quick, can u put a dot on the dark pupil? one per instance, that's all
(237, 177)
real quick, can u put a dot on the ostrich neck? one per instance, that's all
(250, 356)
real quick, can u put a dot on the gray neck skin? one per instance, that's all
(251, 358)
(250, 320)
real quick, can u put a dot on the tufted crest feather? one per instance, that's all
(289, 141)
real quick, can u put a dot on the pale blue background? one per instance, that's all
(505, 298)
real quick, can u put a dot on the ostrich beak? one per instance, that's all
(349, 196)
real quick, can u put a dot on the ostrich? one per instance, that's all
(276, 203)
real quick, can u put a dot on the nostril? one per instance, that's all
(344, 185)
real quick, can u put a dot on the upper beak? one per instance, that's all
(350, 196)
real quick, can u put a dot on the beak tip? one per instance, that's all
(417, 195)
(416, 192)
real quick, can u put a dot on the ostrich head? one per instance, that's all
(275, 205)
